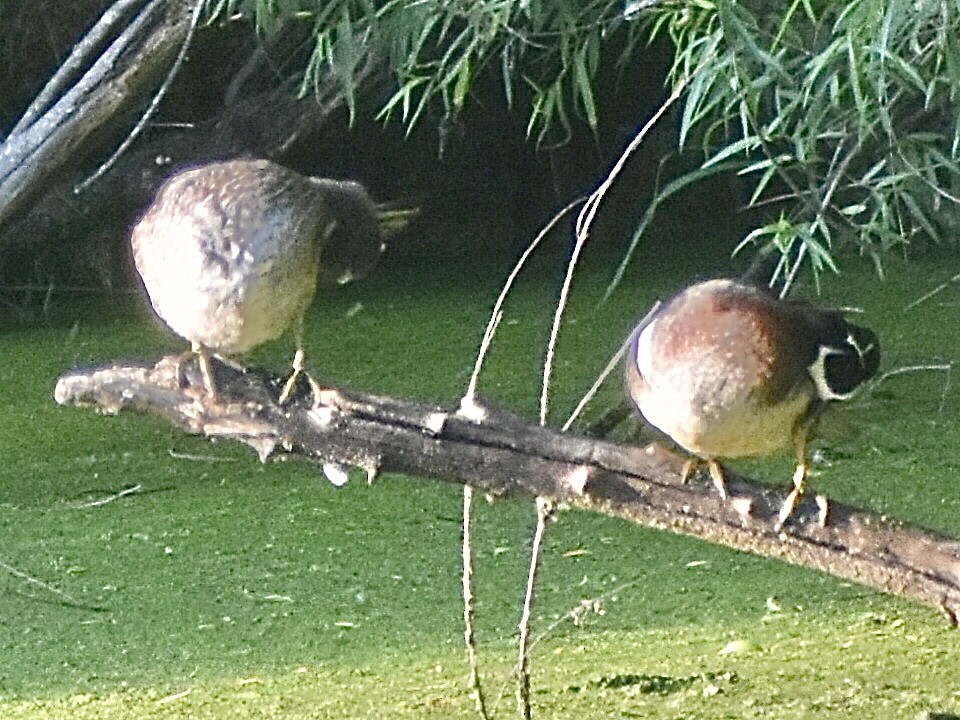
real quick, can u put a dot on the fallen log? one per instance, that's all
(499, 453)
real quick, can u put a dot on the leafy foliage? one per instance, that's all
(547, 50)
(841, 116)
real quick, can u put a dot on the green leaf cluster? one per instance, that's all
(547, 53)
(842, 116)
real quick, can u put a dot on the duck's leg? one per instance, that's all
(206, 369)
(716, 474)
(799, 482)
(291, 382)
(719, 477)
(298, 370)
(689, 468)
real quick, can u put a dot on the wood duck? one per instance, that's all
(727, 370)
(229, 253)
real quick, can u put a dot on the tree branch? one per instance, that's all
(64, 118)
(499, 453)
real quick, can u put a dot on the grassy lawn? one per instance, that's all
(224, 588)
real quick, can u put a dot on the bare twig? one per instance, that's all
(920, 175)
(585, 221)
(937, 290)
(151, 108)
(615, 360)
(497, 312)
(589, 211)
(467, 403)
(823, 207)
(555, 327)
(199, 458)
(544, 513)
(173, 698)
(576, 615)
(903, 370)
(946, 390)
(468, 626)
(605, 373)
(110, 498)
(67, 598)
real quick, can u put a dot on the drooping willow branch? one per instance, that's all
(499, 453)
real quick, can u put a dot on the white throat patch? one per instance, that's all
(818, 371)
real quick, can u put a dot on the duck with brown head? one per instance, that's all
(726, 369)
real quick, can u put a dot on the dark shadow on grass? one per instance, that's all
(652, 684)
(74, 605)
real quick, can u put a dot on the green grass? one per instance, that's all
(231, 589)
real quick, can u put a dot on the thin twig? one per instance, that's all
(151, 108)
(544, 507)
(497, 312)
(943, 367)
(173, 698)
(200, 458)
(589, 212)
(824, 206)
(940, 288)
(544, 513)
(908, 369)
(68, 598)
(585, 220)
(578, 611)
(468, 625)
(919, 175)
(588, 396)
(110, 498)
(574, 614)
(468, 400)
(945, 391)
(555, 327)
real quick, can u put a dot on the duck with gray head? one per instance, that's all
(229, 253)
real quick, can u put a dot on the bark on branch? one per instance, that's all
(500, 453)
(119, 60)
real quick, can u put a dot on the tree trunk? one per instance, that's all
(119, 62)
